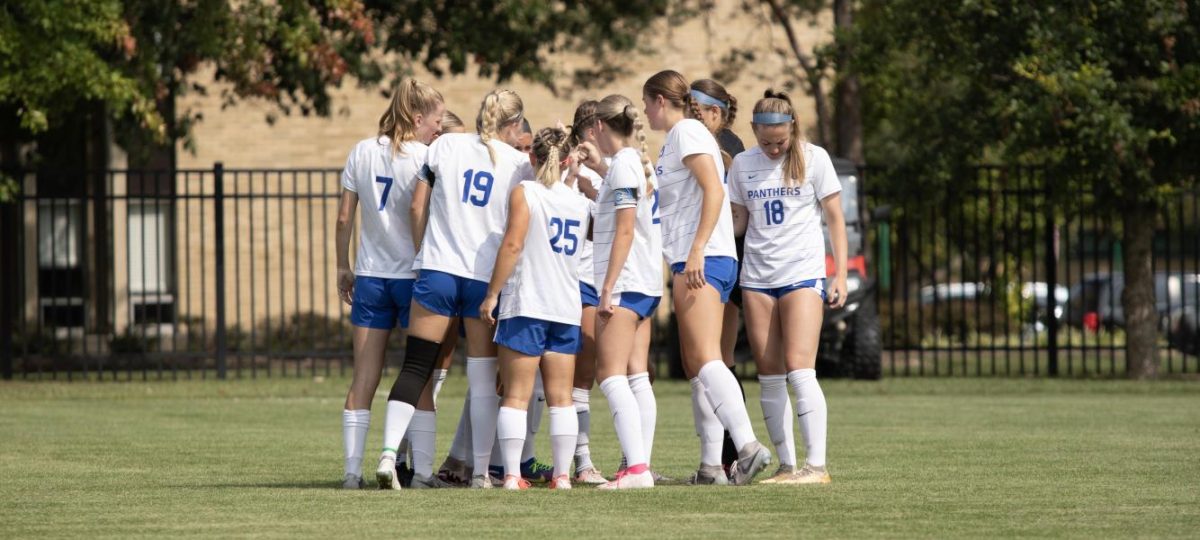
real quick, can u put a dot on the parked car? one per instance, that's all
(1096, 303)
(1035, 320)
(850, 337)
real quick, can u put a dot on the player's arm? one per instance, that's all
(741, 219)
(704, 169)
(622, 244)
(836, 221)
(347, 207)
(418, 211)
(510, 251)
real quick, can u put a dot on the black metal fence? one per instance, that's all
(994, 279)
(230, 273)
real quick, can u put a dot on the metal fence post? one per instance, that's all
(219, 288)
(1051, 284)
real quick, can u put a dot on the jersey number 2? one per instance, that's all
(477, 187)
(562, 231)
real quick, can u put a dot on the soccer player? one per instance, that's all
(380, 173)
(587, 182)
(628, 266)
(697, 231)
(718, 109)
(465, 180)
(536, 286)
(779, 190)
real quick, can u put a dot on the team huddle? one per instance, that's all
(547, 252)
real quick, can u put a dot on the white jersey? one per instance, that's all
(545, 283)
(384, 185)
(643, 270)
(681, 197)
(469, 204)
(784, 243)
(585, 262)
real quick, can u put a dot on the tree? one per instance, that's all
(839, 125)
(1104, 94)
(133, 58)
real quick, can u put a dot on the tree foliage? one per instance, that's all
(1106, 94)
(137, 56)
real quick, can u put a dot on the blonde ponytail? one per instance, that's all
(620, 115)
(499, 108)
(549, 147)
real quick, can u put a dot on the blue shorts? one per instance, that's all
(720, 272)
(588, 294)
(381, 302)
(535, 337)
(638, 303)
(448, 294)
(817, 284)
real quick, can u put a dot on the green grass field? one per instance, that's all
(909, 457)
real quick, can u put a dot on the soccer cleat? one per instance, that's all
(353, 481)
(386, 473)
(404, 473)
(590, 476)
(561, 481)
(709, 475)
(660, 479)
(752, 459)
(536, 471)
(515, 483)
(480, 481)
(432, 482)
(627, 480)
(808, 475)
(454, 472)
(784, 472)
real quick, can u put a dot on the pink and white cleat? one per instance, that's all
(561, 481)
(636, 477)
(515, 483)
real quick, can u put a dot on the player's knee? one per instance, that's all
(419, 358)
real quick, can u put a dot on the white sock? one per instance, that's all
(564, 431)
(496, 459)
(537, 402)
(510, 427)
(777, 413)
(395, 424)
(460, 447)
(355, 424)
(722, 390)
(439, 377)
(583, 415)
(626, 418)
(422, 433)
(810, 408)
(647, 407)
(708, 426)
(481, 378)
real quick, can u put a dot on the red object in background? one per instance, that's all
(1091, 321)
(858, 264)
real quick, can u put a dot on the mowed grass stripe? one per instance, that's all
(909, 457)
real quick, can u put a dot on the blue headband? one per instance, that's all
(705, 99)
(771, 118)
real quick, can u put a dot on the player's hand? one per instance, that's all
(605, 309)
(345, 285)
(836, 296)
(487, 308)
(693, 270)
(590, 154)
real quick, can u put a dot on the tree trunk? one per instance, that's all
(1141, 318)
(849, 107)
(812, 74)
